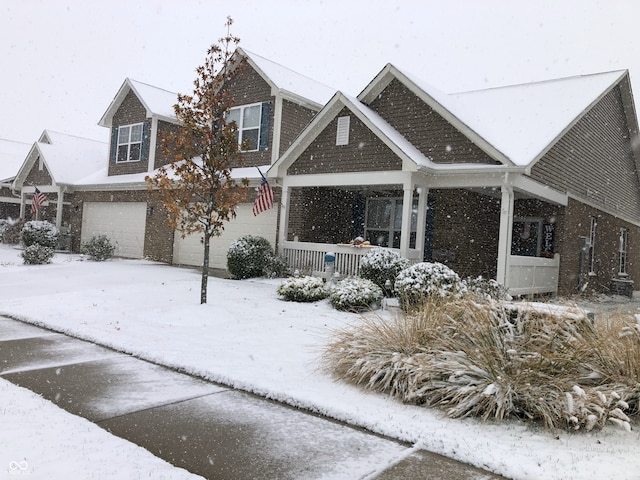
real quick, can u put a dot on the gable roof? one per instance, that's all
(156, 101)
(292, 85)
(12, 155)
(68, 158)
(514, 124)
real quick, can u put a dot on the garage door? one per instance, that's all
(189, 250)
(122, 222)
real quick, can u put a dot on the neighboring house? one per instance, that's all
(12, 154)
(534, 185)
(55, 164)
(272, 105)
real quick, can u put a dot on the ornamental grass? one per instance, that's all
(496, 361)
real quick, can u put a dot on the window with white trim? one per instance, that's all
(383, 224)
(623, 246)
(129, 143)
(342, 131)
(248, 119)
(592, 243)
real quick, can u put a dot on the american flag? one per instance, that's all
(264, 199)
(38, 199)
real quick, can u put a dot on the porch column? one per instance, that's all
(23, 202)
(59, 208)
(423, 194)
(405, 233)
(284, 217)
(506, 228)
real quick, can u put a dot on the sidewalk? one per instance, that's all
(205, 428)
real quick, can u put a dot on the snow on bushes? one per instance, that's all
(39, 233)
(99, 248)
(485, 360)
(37, 254)
(381, 265)
(355, 294)
(248, 256)
(303, 289)
(485, 289)
(424, 281)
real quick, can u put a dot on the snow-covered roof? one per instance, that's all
(288, 81)
(12, 155)
(519, 121)
(156, 101)
(68, 158)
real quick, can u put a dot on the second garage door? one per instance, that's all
(189, 250)
(122, 222)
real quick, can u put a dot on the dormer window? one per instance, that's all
(129, 143)
(253, 125)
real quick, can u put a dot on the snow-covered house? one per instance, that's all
(12, 154)
(272, 105)
(535, 185)
(55, 164)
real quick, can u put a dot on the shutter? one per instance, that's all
(265, 123)
(114, 145)
(146, 140)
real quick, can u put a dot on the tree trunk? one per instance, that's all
(205, 270)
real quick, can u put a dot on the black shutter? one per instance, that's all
(146, 140)
(113, 154)
(265, 123)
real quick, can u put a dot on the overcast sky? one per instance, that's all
(62, 61)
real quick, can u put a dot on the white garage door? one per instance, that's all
(189, 250)
(122, 222)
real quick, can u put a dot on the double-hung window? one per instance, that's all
(384, 222)
(248, 119)
(129, 143)
(623, 247)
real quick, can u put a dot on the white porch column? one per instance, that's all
(23, 202)
(59, 208)
(423, 194)
(284, 217)
(405, 234)
(506, 228)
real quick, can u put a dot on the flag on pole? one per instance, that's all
(264, 199)
(38, 199)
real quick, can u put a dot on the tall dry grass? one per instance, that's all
(489, 360)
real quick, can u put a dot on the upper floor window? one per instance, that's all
(623, 247)
(129, 143)
(248, 118)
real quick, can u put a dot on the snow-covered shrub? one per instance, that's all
(355, 294)
(470, 358)
(382, 266)
(303, 289)
(37, 254)
(4, 225)
(486, 289)
(424, 281)
(276, 267)
(99, 248)
(248, 256)
(37, 232)
(12, 232)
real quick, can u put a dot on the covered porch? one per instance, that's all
(499, 225)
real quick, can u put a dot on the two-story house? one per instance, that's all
(535, 185)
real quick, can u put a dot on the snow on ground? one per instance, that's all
(247, 338)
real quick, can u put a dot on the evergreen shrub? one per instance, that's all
(303, 289)
(38, 232)
(425, 281)
(381, 265)
(355, 294)
(37, 254)
(248, 256)
(99, 248)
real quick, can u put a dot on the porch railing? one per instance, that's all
(532, 275)
(308, 257)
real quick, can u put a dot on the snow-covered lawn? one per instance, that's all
(247, 338)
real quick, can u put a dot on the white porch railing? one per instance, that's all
(531, 275)
(308, 257)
